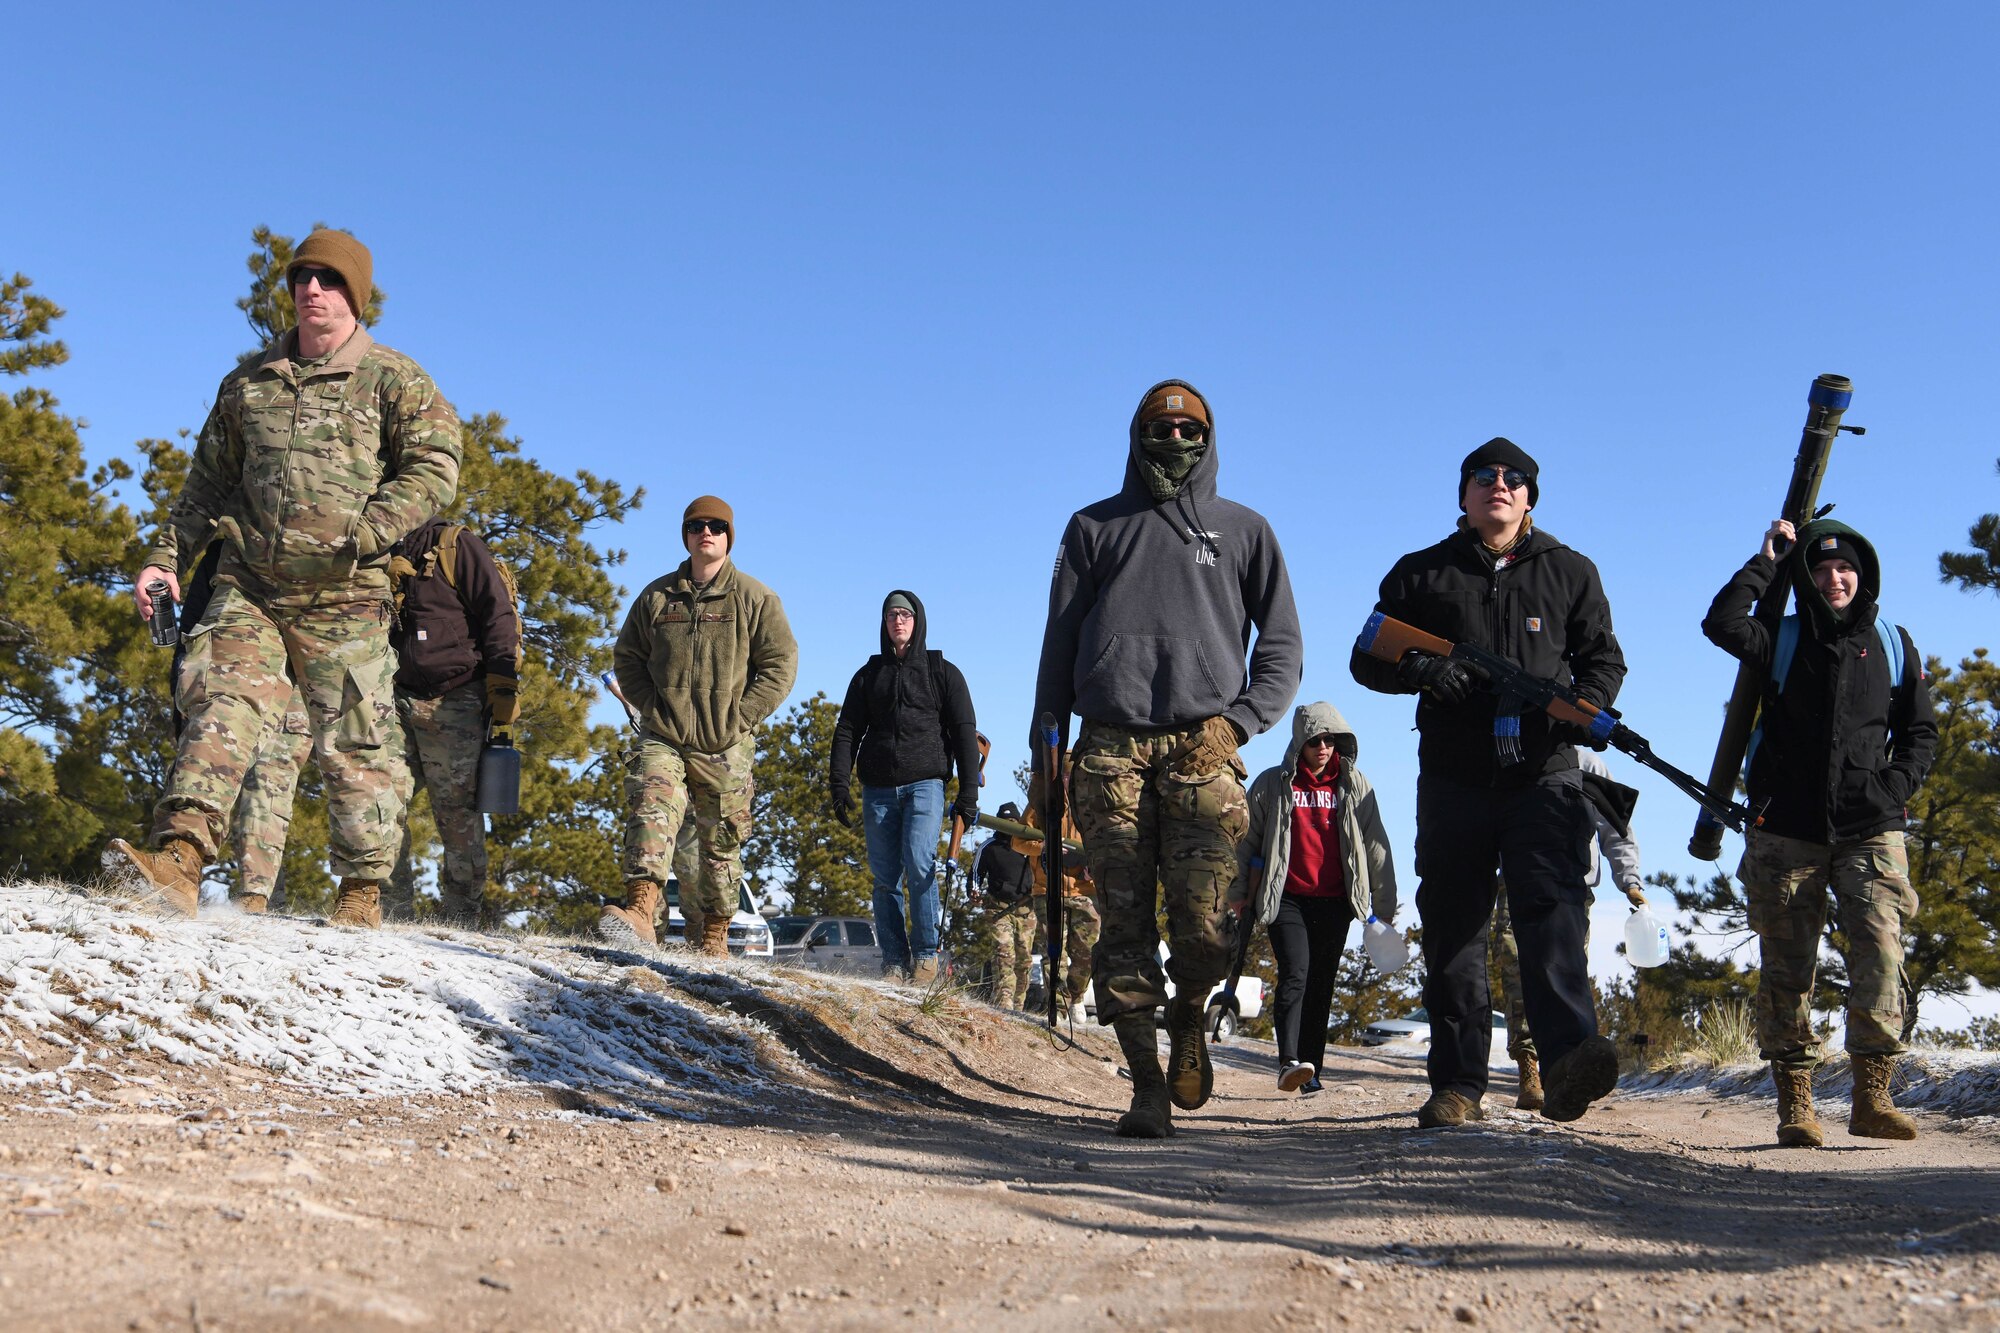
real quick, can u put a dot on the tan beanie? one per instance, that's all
(712, 506)
(343, 254)
(1173, 399)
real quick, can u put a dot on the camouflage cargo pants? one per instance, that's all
(263, 818)
(1013, 934)
(1506, 960)
(662, 783)
(444, 737)
(1149, 833)
(1082, 928)
(238, 681)
(1786, 882)
(687, 870)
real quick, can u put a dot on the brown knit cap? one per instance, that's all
(713, 506)
(1173, 400)
(343, 254)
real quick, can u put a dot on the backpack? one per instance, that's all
(1788, 647)
(443, 560)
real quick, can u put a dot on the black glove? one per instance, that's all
(1446, 681)
(842, 802)
(967, 809)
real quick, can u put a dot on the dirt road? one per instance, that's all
(965, 1176)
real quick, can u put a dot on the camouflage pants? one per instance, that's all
(1786, 882)
(1147, 833)
(1013, 946)
(662, 783)
(263, 817)
(1506, 957)
(687, 869)
(444, 737)
(1082, 928)
(238, 682)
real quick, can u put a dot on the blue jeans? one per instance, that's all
(902, 824)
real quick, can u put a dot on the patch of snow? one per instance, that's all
(404, 1010)
(1957, 1083)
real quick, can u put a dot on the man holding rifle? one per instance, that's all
(1844, 739)
(1498, 785)
(1155, 593)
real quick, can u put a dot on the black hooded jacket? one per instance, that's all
(910, 718)
(1152, 605)
(1544, 610)
(1843, 748)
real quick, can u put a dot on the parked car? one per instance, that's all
(749, 933)
(1414, 1028)
(827, 944)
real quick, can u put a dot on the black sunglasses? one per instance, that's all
(720, 527)
(1192, 431)
(328, 278)
(1486, 476)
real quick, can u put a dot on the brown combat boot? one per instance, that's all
(1151, 1117)
(924, 972)
(1580, 1078)
(1798, 1127)
(171, 877)
(1191, 1078)
(631, 926)
(1872, 1115)
(1530, 1096)
(1448, 1110)
(715, 936)
(359, 904)
(253, 904)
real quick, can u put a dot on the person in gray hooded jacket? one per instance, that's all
(1155, 594)
(1315, 859)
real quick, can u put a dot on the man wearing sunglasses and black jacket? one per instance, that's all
(705, 656)
(1498, 786)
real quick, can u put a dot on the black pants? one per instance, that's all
(1538, 837)
(1307, 936)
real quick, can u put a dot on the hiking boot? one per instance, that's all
(171, 877)
(1580, 1078)
(1798, 1127)
(925, 973)
(1448, 1110)
(715, 936)
(1872, 1115)
(1151, 1117)
(1191, 1078)
(631, 926)
(359, 904)
(253, 904)
(891, 972)
(1530, 1096)
(1295, 1076)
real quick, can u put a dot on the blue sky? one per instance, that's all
(891, 278)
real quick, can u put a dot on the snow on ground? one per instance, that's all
(1958, 1083)
(404, 1010)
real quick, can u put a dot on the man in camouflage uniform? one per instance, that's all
(1003, 879)
(1155, 593)
(317, 456)
(705, 656)
(1082, 926)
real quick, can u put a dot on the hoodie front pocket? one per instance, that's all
(1150, 678)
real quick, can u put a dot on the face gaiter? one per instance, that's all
(1165, 465)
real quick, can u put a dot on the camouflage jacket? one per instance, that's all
(310, 479)
(702, 669)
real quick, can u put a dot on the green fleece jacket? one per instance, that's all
(702, 669)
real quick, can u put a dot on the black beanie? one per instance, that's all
(1010, 811)
(1833, 546)
(1502, 452)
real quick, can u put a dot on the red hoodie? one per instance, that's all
(1313, 868)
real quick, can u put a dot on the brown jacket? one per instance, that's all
(702, 670)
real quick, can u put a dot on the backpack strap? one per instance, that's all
(1892, 648)
(447, 554)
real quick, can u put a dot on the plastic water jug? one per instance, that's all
(1646, 941)
(1385, 947)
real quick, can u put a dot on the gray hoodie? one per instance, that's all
(1152, 605)
(1265, 852)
